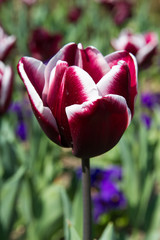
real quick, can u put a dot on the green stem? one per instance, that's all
(87, 210)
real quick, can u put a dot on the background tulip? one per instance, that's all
(74, 14)
(143, 46)
(6, 43)
(44, 45)
(6, 83)
(120, 10)
(82, 99)
(29, 2)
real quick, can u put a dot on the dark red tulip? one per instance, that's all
(29, 2)
(44, 45)
(1, 1)
(74, 14)
(143, 46)
(82, 99)
(6, 43)
(120, 10)
(6, 84)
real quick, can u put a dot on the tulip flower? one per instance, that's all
(1, 1)
(44, 45)
(29, 2)
(6, 43)
(143, 46)
(82, 99)
(74, 14)
(120, 10)
(6, 83)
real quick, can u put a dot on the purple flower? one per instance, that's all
(21, 131)
(150, 100)
(109, 198)
(98, 175)
(147, 120)
(106, 194)
(22, 111)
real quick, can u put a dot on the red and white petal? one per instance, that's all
(67, 53)
(43, 114)
(151, 37)
(93, 62)
(146, 53)
(7, 42)
(97, 126)
(54, 89)
(116, 81)
(34, 70)
(76, 87)
(6, 85)
(113, 59)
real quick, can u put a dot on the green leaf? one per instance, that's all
(51, 219)
(77, 211)
(108, 233)
(67, 213)
(130, 172)
(8, 198)
(73, 233)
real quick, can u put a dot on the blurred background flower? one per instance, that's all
(74, 14)
(121, 10)
(29, 2)
(6, 85)
(143, 46)
(150, 102)
(23, 113)
(107, 196)
(44, 45)
(6, 43)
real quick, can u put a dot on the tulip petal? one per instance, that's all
(6, 85)
(145, 54)
(116, 81)
(76, 87)
(113, 58)
(93, 62)
(97, 126)
(35, 72)
(42, 113)
(54, 88)
(67, 53)
(6, 45)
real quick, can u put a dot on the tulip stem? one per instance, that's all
(87, 211)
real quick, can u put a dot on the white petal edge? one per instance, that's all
(6, 82)
(89, 86)
(36, 100)
(107, 79)
(141, 54)
(77, 108)
(52, 63)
